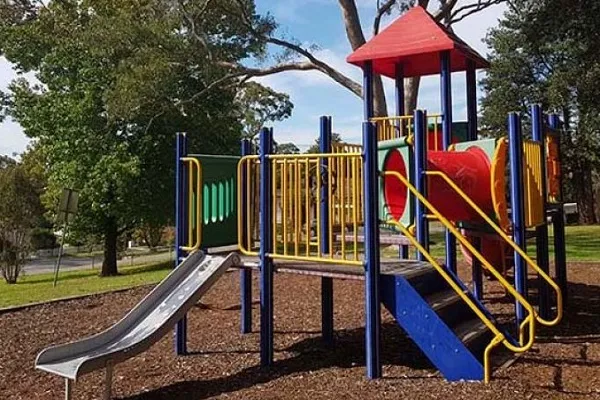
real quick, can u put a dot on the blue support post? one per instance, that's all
(476, 271)
(245, 274)
(471, 100)
(266, 244)
(517, 208)
(541, 232)
(420, 180)
(400, 110)
(326, 283)
(560, 250)
(446, 92)
(180, 229)
(371, 227)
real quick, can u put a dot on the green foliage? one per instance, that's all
(20, 213)
(547, 52)
(258, 105)
(314, 149)
(118, 79)
(287, 148)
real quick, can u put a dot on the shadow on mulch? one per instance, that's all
(581, 318)
(309, 355)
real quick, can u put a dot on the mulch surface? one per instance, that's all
(564, 364)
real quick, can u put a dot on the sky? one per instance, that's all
(319, 22)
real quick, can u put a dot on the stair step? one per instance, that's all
(474, 335)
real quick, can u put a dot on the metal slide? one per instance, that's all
(144, 325)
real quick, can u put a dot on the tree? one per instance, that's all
(20, 213)
(291, 55)
(118, 79)
(538, 57)
(315, 148)
(258, 105)
(287, 148)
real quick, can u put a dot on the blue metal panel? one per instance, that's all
(266, 263)
(371, 227)
(471, 100)
(245, 274)
(541, 242)
(428, 331)
(326, 283)
(518, 216)
(180, 229)
(420, 180)
(446, 94)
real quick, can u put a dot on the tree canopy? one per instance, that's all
(117, 79)
(541, 55)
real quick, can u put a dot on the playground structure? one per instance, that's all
(327, 214)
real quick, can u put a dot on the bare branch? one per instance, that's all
(381, 11)
(470, 9)
(445, 10)
(191, 20)
(245, 73)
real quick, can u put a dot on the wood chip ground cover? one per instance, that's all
(565, 363)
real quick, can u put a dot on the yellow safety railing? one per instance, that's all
(194, 201)
(342, 167)
(389, 128)
(511, 243)
(298, 182)
(499, 337)
(533, 184)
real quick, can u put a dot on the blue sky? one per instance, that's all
(314, 94)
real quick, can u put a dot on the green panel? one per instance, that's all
(219, 201)
(487, 145)
(384, 214)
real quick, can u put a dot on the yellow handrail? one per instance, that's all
(499, 336)
(249, 162)
(191, 244)
(507, 239)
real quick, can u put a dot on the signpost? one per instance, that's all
(67, 209)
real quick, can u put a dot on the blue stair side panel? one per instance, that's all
(428, 331)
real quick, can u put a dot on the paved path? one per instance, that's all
(46, 265)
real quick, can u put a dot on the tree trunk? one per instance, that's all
(411, 94)
(379, 101)
(585, 196)
(109, 265)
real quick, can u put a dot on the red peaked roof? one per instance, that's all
(415, 40)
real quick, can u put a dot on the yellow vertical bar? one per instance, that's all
(275, 202)
(284, 202)
(190, 238)
(307, 203)
(332, 204)
(355, 182)
(297, 202)
(343, 205)
(249, 196)
(318, 206)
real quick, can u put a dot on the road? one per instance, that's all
(70, 263)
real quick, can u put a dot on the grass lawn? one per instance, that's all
(583, 244)
(37, 288)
